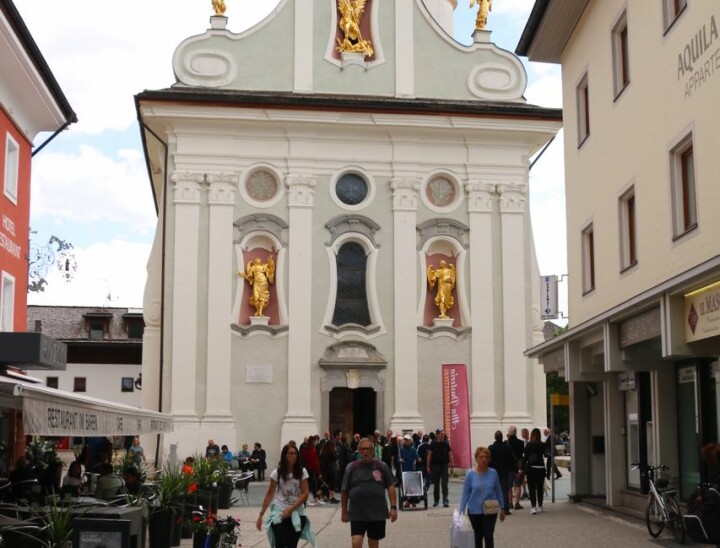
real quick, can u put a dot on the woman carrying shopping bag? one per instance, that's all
(483, 498)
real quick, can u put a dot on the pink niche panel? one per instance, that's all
(246, 309)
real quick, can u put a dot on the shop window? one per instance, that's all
(79, 384)
(127, 384)
(682, 165)
(351, 304)
(583, 109)
(12, 160)
(628, 231)
(52, 382)
(588, 258)
(7, 302)
(621, 60)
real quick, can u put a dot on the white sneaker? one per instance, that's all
(533, 510)
(539, 510)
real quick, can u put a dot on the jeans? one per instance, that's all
(439, 475)
(484, 528)
(536, 485)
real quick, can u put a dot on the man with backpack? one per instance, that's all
(363, 496)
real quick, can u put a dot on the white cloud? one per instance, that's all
(110, 274)
(90, 187)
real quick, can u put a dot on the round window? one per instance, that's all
(261, 186)
(351, 189)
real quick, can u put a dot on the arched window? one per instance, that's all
(351, 304)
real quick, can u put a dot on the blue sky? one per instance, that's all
(90, 185)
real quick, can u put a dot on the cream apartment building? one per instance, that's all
(641, 80)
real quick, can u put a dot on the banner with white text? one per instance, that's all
(456, 413)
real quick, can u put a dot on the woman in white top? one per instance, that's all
(73, 480)
(286, 522)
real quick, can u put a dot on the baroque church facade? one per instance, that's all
(309, 173)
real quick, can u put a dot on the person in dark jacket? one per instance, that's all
(503, 460)
(518, 447)
(550, 442)
(534, 467)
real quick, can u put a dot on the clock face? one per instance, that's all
(440, 192)
(261, 186)
(351, 189)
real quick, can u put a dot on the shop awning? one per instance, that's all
(50, 412)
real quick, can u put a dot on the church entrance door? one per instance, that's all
(352, 411)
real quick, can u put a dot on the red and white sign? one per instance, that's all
(456, 413)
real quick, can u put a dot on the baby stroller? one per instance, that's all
(412, 490)
(702, 521)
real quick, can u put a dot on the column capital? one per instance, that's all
(512, 197)
(300, 190)
(221, 188)
(481, 195)
(405, 193)
(187, 186)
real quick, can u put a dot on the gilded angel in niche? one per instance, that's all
(445, 277)
(351, 12)
(259, 275)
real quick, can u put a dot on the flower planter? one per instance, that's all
(160, 527)
(178, 527)
(225, 490)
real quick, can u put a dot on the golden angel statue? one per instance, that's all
(485, 7)
(351, 12)
(259, 275)
(445, 277)
(219, 7)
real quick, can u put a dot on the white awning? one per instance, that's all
(50, 412)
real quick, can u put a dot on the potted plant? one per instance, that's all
(225, 485)
(206, 474)
(55, 522)
(201, 525)
(170, 494)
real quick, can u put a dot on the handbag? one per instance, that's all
(491, 507)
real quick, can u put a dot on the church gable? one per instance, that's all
(350, 47)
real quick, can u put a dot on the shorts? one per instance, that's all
(374, 529)
(517, 479)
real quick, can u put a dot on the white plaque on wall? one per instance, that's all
(258, 374)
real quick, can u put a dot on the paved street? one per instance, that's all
(562, 525)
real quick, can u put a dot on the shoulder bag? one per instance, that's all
(491, 507)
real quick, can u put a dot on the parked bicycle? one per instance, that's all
(662, 508)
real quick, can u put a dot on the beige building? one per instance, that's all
(354, 165)
(642, 130)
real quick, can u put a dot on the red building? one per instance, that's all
(31, 102)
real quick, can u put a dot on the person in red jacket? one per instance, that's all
(312, 465)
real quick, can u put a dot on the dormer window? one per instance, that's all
(98, 325)
(134, 325)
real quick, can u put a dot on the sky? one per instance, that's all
(90, 185)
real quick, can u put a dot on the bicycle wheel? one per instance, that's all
(654, 518)
(675, 520)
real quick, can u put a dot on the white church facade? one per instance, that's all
(332, 168)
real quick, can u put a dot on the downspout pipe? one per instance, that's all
(55, 134)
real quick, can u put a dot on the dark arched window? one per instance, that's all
(351, 304)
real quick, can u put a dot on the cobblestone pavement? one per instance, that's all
(561, 525)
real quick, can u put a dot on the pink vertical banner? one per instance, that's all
(456, 413)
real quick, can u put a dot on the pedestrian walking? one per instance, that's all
(439, 464)
(363, 500)
(534, 466)
(483, 498)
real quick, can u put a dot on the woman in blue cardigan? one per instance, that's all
(482, 484)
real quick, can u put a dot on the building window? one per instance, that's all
(621, 60)
(351, 189)
(79, 384)
(7, 302)
(351, 304)
(127, 384)
(96, 331)
(52, 382)
(583, 110)
(672, 10)
(682, 165)
(588, 258)
(628, 230)
(12, 160)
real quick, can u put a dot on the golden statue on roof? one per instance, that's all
(485, 7)
(219, 7)
(351, 12)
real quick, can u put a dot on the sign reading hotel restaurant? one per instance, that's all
(702, 313)
(548, 297)
(43, 417)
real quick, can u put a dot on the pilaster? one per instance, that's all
(404, 49)
(186, 198)
(299, 419)
(221, 190)
(405, 199)
(512, 220)
(484, 354)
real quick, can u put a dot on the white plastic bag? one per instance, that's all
(458, 519)
(461, 538)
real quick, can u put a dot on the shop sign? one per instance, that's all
(626, 381)
(686, 375)
(699, 59)
(702, 313)
(549, 297)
